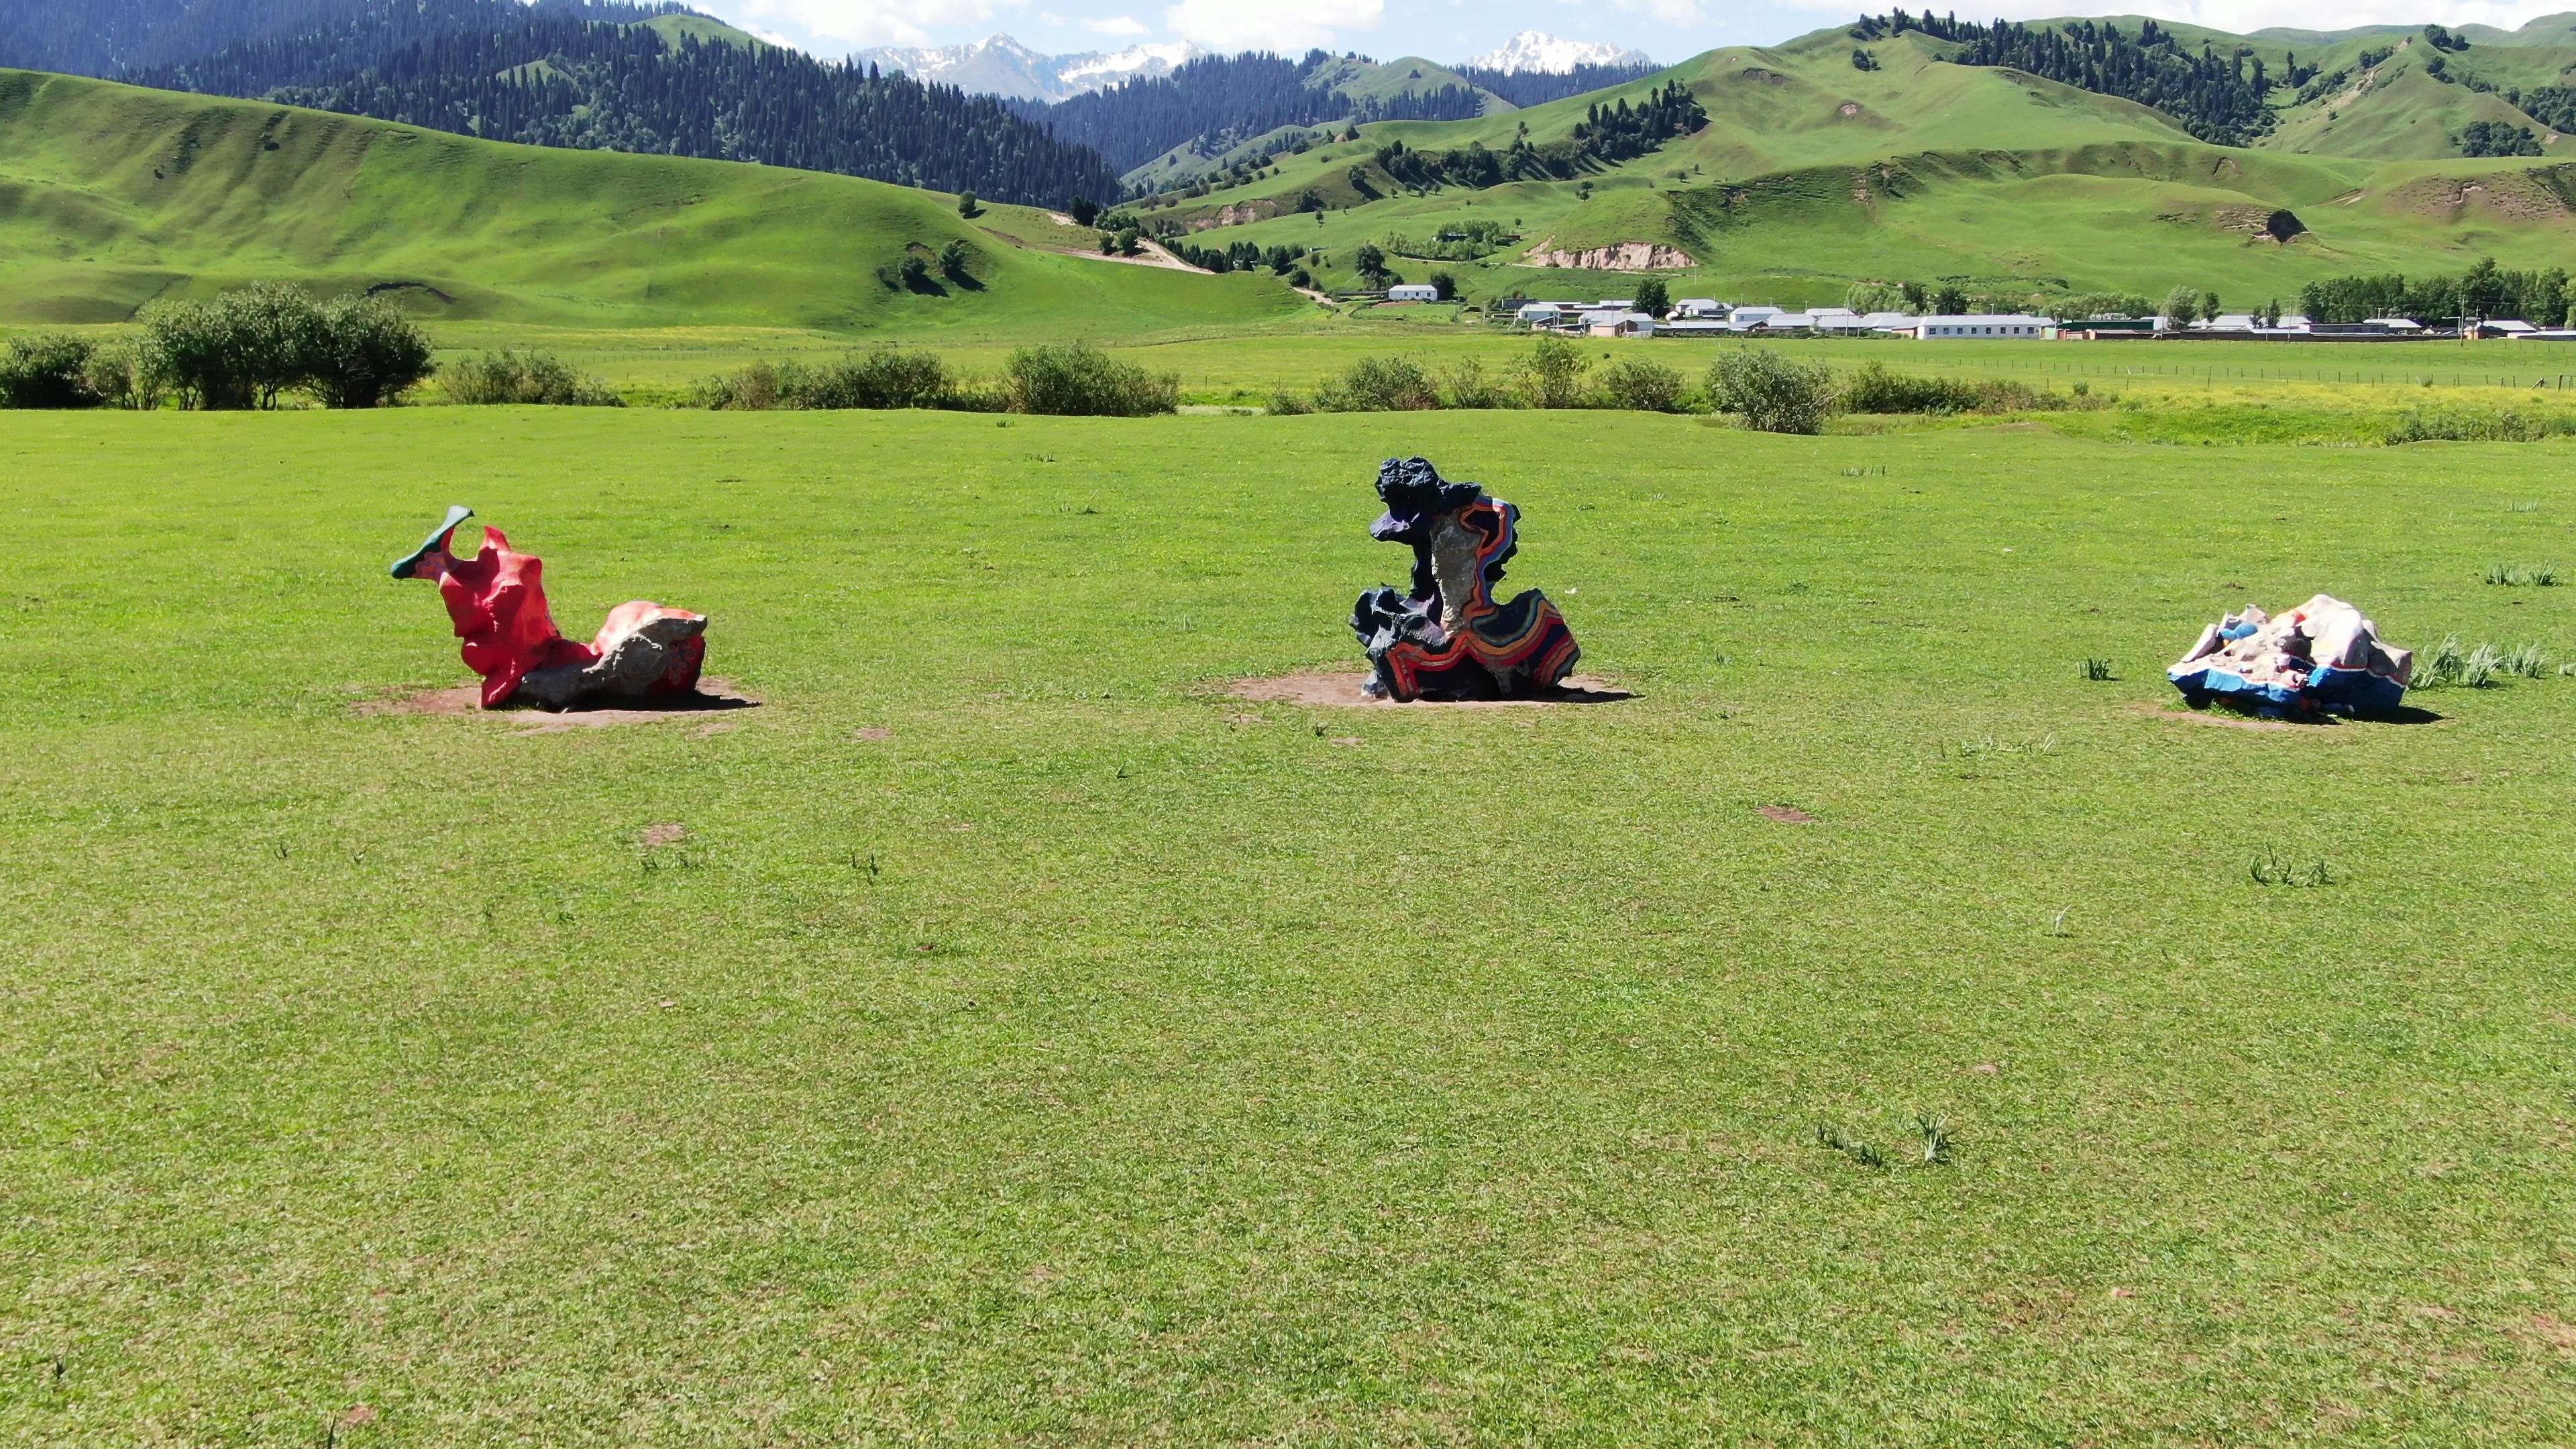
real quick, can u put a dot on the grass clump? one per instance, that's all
(2097, 670)
(2272, 868)
(529, 377)
(2452, 665)
(2538, 576)
(1770, 394)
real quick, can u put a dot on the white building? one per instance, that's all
(1745, 319)
(1849, 324)
(1540, 314)
(2546, 334)
(1614, 322)
(1787, 322)
(1413, 292)
(2393, 324)
(1700, 309)
(1984, 325)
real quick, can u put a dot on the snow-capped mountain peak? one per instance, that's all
(999, 65)
(1536, 50)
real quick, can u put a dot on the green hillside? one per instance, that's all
(112, 195)
(1812, 173)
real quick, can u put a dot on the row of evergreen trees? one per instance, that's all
(116, 38)
(1220, 102)
(1527, 88)
(1606, 135)
(2216, 98)
(551, 80)
(2485, 290)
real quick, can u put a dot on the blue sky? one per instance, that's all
(1449, 30)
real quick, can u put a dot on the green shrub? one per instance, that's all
(48, 370)
(2459, 425)
(512, 376)
(1378, 385)
(1874, 387)
(1078, 380)
(1634, 384)
(1464, 384)
(1552, 375)
(754, 389)
(888, 377)
(364, 352)
(1770, 393)
(112, 374)
(1285, 403)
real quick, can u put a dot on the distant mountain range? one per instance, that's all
(1001, 66)
(1536, 50)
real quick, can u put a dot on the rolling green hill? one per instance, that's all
(1812, 173)
(112, 195)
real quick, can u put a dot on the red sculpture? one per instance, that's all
(497, 600)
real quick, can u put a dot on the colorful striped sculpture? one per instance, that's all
(1448, 639)
(2320, 658)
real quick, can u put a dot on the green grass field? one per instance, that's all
(1018, 1040)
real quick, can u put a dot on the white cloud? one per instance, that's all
(868, 22)
(1118, 25)
(1672, 12)
(1281, 25)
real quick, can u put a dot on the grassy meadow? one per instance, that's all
(1004, 1035)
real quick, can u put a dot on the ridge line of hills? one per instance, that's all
(1874, 151)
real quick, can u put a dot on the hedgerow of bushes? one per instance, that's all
(1063, 380)
(244, 349)
(513, 376)
(1761, 388)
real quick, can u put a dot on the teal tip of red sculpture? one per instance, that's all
(456, 513)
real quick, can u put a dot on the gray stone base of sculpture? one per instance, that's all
(638, 664)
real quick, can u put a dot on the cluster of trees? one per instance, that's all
(2498, 138)
(1242, 256)
(1462, 243)
(1606, 135)
(2485, 290)
(1536, 87)
(244, 349)
(2216, 98)
(553, 79)
(2551, 106)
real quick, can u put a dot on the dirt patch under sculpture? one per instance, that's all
(713, 697)
(1341, 688)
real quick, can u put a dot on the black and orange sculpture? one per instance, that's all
(1448, 639)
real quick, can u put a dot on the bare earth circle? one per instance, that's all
(1341, 688)
(713, 696)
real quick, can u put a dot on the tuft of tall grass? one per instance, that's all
(2538, 576)
(2097, 670)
